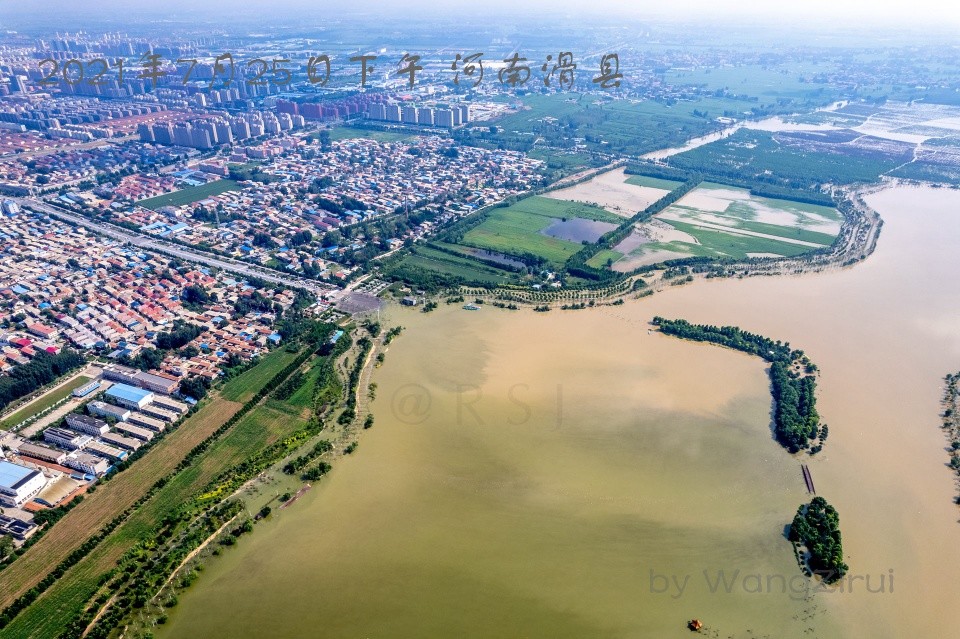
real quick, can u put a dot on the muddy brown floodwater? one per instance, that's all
(573, 474)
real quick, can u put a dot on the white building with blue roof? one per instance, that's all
(19, 484)
(129, 396)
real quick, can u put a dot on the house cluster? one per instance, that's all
(85, 445)
(71, 166)
(298, 219)
(60, 285)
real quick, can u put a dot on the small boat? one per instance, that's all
(695, 625)
(471, 307)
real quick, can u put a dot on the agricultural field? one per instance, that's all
(792, 84)
(586, 123)
(244, 386)
(621, 194)
(796, 159)
(44, 402)
(119, 493)
(260, 428)
(190, 194)
(548, 229)
(446, 267)
(50, 613)
(856, 143)
(652, 182)
(715, 220)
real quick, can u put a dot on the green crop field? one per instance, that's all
(652, 182)
(601, 258)
(516, 229)
(244, 386)
(190, 194)
(44, 402)
(51, 612)
(722, 244)
(465, 268)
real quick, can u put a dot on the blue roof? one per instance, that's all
(12, 474)
(128, 393)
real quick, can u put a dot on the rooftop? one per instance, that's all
(12, 475)
(128, 393)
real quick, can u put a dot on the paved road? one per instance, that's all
(92, 370)
(176, 250)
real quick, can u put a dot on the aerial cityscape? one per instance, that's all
(288, 344)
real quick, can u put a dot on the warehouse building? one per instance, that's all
(136, 432)
(86, 389)
(89, 464)
(65, 438)
(128, 396)
(106, 451)
(103, 409)
(19, 484)
(159, 413)
(16, 528)
(168, 403)
(86, 424)
(44, 453)
(150, 423)
(118, 440)
(149, 381)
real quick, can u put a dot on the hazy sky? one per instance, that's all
(826, 13)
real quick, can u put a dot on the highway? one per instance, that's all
(176, 250)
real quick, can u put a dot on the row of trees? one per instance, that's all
(576, 264)
(92, 542)
(796, 421)
(39, 371)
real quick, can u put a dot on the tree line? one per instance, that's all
(41, 370)
(796, 421)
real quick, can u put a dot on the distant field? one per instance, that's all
(190, 194)
(469, 270)
(44, 402)
(516, 230)
(715, 220)
(652, 182)
(349, 133)
(797, 160)
(565, 161)
(752, 80)
(549, 125)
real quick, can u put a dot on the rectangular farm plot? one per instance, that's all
(548, 228)
(615, 191)
(715, 220)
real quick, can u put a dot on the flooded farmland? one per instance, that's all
(573, 474)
